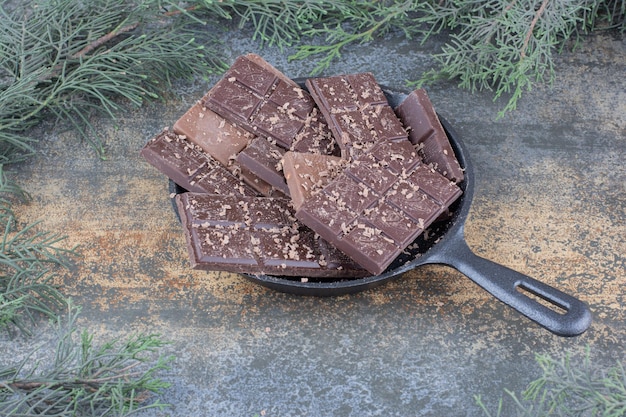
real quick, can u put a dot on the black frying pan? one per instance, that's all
(558, 312)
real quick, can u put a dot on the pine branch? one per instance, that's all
(28, 259)
(117, 379)
(569, 386)
(78, 60)
(506, 48)
(361, 22)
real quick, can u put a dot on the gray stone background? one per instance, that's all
(550, 200)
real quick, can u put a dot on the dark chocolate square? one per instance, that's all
(330, 216)
(223, 247)
(239, 102)
(386, 124)
(398, 156)
(434, 184)
(348, 193)
(415, 203)
(393, 223)
(274, 123)
(369, 246)
(366, 90)
(292, 100)
(251, 75)
(368, 171)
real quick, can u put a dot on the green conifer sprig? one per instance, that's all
(360, 23)
(278, 23)
(117, 378)
(569, 386)
(76, 60)
(606, 14)
(28, 259)
(501, 46)
(506, 47)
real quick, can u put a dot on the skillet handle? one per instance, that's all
(566, 316)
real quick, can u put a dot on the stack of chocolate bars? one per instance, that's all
(326, 181)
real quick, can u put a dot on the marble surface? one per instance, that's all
(549, 202)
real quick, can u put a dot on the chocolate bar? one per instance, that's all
(255, 124)
(357, 112)
(378, 205)
(308, 173)
(425, 131)
(256, 96)
(190, 167)
(221, 140)
(256, 235)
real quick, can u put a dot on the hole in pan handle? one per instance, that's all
(558, 312)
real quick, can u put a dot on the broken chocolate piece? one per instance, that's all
(221, 140)
(190, 167)
(264, 160)
(425, 131)
(357, 112)
(215, 135)
(256, 235)
(315, 138)
(378, 205)
(308, 173)
(254, 95)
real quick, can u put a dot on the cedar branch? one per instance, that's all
(179, 11)
(92, 384)
(532, 28)
(88, 48)
(103, 39)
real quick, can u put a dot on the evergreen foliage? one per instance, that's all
(569, 386)
(28, 259)
(74, 60)
(117, 378)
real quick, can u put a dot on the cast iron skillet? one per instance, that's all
(558, 312)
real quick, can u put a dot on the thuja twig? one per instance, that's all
(28, 259)
(274, 22)
(505, 48)
(359, 23)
